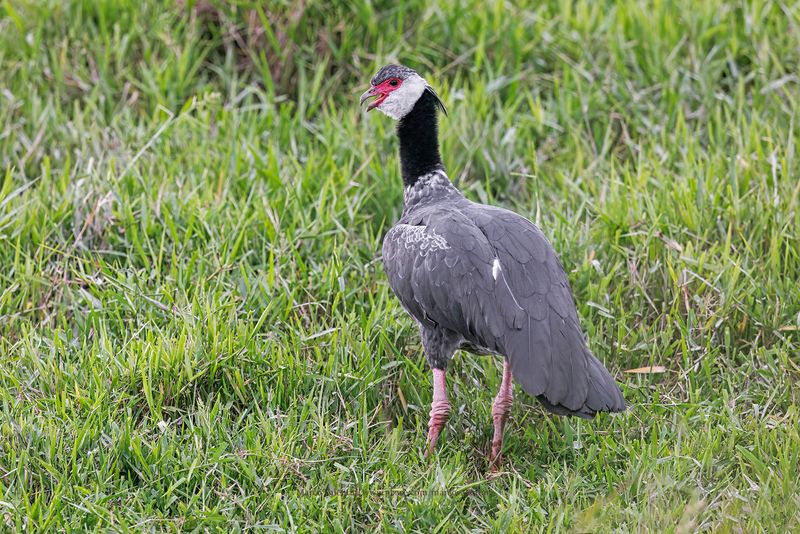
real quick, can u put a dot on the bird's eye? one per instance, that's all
(393, 83)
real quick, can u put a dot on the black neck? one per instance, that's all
(419, 140)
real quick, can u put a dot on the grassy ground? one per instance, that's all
(195, 329)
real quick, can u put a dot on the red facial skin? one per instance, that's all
(382, 91)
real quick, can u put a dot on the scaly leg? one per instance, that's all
(440, 408)
(500, 409)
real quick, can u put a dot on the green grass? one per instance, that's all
(195, 328)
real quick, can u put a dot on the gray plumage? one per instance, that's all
(486, 279)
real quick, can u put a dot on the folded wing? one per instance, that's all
(491, 275)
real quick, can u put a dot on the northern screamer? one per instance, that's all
(480, 278)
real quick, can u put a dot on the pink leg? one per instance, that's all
(500, 409)
(440, 408)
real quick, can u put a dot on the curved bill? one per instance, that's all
(372, 92)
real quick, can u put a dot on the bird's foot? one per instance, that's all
(495, 458)
(440, 409)
(500, 409)
(500, 416)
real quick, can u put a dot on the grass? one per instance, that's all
(195, 329)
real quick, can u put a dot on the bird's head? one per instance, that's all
(396, 90)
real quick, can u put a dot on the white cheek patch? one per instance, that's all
(401, 101)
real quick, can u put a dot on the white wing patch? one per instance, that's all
(495, 268)
(420, 237)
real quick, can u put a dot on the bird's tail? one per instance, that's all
(602, 393)
(550, 360)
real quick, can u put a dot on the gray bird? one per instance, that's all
(480, 278)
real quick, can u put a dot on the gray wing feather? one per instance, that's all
(440, 265)
(576, 383)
